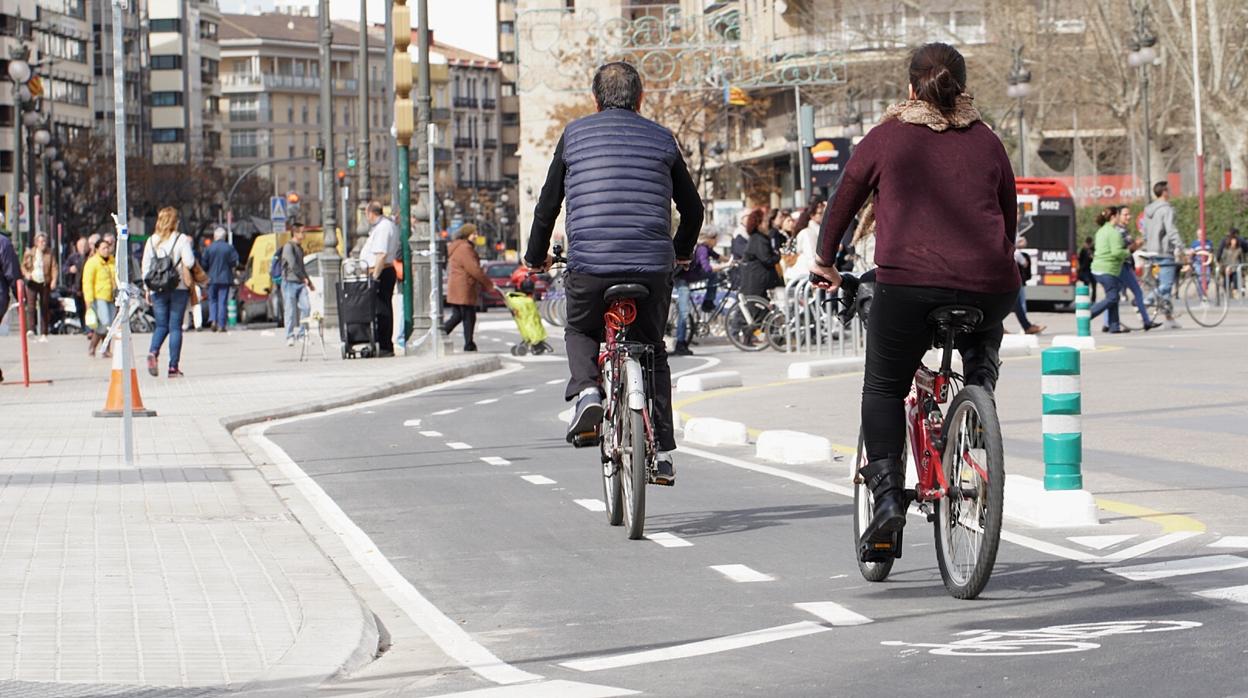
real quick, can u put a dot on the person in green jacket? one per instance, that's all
(1107, 261)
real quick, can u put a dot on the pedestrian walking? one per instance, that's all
(1106, 266)
(1024, 271)
(167, 262)
(758, 263)
(71, 278)
(465, 280)
(1127, 276)
(39, 270)
(99, 282)
(379, 252)
(10, 274)
(220, 260)
(296, 285)
(1162, 240)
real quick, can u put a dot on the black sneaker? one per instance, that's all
(587, 416)
(664, 470)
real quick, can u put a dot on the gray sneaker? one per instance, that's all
(664, 470)
(587, 416)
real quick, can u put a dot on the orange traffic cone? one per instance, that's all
(114, 406)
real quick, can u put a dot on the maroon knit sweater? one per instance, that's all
(945, 207)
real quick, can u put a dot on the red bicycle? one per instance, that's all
(959, 461)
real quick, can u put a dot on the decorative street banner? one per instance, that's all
(828, 158)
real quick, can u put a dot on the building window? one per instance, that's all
(64, 48)
(290, 148)
(209, 69)
(166, 135)
(244, 144)
(72, 8)
(165, 25)
(508, 57)
(173, 62)
(290, 113)
(569, 5)
(244, 109)
(506, 27)
(67, 92)
(304, 114)
(166, 99)
(207, 30)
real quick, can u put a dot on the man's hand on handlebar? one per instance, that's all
(825, 277)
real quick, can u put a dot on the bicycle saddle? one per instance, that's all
(959, 318)
(621, 292)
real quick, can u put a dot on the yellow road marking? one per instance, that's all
(1169, 523)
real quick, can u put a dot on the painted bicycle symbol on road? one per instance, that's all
(1054, 639)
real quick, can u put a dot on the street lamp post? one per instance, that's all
(19, 73)
(1142, 56)
(404, 126)
(364, 183)
(1019, 88)
(329, 263)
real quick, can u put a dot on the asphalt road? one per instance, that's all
(473, 496)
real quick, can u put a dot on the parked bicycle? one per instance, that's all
(959, 459)
(1205, 289)
(736, 316)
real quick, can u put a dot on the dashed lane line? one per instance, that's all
(700, 648)
(592, 504)
(742, 574)
(486, 401)
(1237, 594)
(668, 540)
(431, 434)
(833, 613)
(537, 479)
(1181, 567)
(412, 423)
(525, 391)
(457, 445)
(451, 410)
(495, 460)
(556, 381)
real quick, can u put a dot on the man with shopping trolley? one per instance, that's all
(619, 172)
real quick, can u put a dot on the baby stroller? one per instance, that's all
(524, 309)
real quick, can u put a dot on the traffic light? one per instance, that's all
(351, 157)
(292, 205)
(342, 177)
(320, 156)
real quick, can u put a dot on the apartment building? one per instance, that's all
(509, 102)
(184, 63)
(137, 106)
(271, 81)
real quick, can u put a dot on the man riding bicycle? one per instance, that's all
(619, 172)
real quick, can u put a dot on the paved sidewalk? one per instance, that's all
(186, 570)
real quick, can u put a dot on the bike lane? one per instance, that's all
(475, 499)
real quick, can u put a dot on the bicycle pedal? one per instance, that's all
(586, 439)
(662, 483)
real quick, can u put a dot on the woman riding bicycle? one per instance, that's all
(944, 207)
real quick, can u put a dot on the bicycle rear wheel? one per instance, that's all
(968, 517)
(744, 324)
(632, 472)
(776, 327)
(611, 467)
(1206, 300)
(863, 504)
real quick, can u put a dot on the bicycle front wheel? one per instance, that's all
(1206, 300)
(632, 471)
(744, 324)
(968, 517)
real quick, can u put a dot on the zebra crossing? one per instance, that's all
(1219, 571)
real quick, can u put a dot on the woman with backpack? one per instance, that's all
(167, 261)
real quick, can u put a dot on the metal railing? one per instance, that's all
(813, 326)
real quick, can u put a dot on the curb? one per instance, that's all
(701, 382)
(792, 447)
(352, 629)
(709, 431)
(467, 367)
(825, 367)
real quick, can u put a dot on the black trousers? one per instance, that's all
(897, 337)
(584, 333)
(466, 313)
(385, 311)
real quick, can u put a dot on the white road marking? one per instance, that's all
(495, 460)
(707, 362)
(1048, 548)
(1100, 542)
(487, 401)
(1230, 542)
(700, 648)
(592, 504)
(452, 410)
(1176, 568)
(833, 613)
(1236, 594)
(770, 470)
(1150, 545)
(537, 479)
(556, 381)
(458, 445)
(525, 391)
(742, 574)
(668, 540)
(412, 423)
(431, 434)
(544, 689)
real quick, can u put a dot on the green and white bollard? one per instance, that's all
(231, 313)
(1062, 423)
(1083, 310)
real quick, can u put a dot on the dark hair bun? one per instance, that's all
(938, 75)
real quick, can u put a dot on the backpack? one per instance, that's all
(275, 267)
(163, 275)
(1024, 269)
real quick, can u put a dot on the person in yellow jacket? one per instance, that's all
(99, 276)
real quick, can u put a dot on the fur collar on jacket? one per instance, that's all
(920, 113)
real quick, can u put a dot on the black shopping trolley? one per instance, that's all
(357, 312)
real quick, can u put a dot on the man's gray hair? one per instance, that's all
(218, 233)
(374, 207)
(617, 86)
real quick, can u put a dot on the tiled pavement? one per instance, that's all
(185, 570)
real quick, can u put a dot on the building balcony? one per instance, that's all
(440, 114)
(443, 155)
(245, 151)
(488, 103)
(465, 143)
(250, 82)
(465, 102)
(490, 143)
(488, 184)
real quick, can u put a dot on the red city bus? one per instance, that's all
(1046, 219)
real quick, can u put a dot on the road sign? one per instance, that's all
(277, 213)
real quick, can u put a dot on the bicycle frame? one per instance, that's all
(925, 428)
(614, 361)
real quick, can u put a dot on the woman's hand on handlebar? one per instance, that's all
(825, 277)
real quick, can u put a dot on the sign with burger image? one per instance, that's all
(828, 157)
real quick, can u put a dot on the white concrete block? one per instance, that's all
(1027, 501)
(792, 447)
(1070, 340)
(701, 382)
(708, 431)
(1029, 341)
(825, 367)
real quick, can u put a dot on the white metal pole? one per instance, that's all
(121, 220)
(1200, 133)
